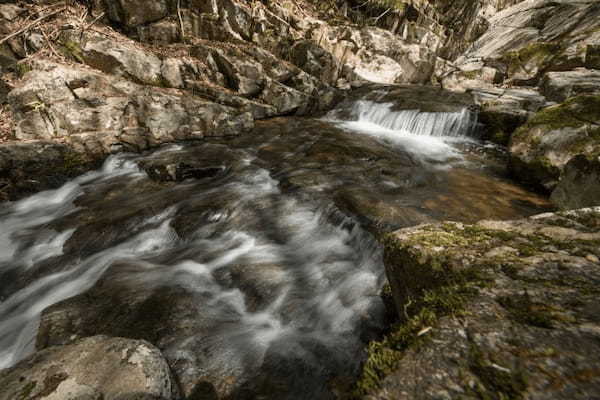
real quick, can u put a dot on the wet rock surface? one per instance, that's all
(98, 367)
(502, 309)
(424, 98)
(579, 184)
(28, 168)
(262, 279)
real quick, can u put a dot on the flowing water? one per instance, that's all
(258, 272)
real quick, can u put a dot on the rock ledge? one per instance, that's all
(494, 310)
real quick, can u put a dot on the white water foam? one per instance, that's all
(428, 136)
(321, 278)
(19, 314)
(21, 218)
(437, 124)
(24, 242)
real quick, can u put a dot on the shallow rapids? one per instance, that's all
(259, 274)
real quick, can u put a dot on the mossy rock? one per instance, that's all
(542, 147)
(476, 304)
(499, 126)
(527, 64)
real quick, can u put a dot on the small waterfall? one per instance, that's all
(438, 124)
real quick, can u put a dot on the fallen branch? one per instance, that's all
(31, 25)
(88, 26)
(384, 13)
(180, 20)
(49, 41)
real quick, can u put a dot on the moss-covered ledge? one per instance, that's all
(496, 310)
(542, 147)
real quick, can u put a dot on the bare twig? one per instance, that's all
(31, 25)
(406, 308)
(52, 49)
(299, 8)
(85, 28)
(180, 20)
(384, 13)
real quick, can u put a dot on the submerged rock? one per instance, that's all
(496, 309)
(27, 168)
(96, 368)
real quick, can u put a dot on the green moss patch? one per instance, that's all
(540, 53)
(575, 112)
(72, 50)
(435, 292)
(497, 382)
(22, 69)
(524, 310)
(384, 356)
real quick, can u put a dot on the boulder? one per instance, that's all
(540, 149)
(579, 184)
(315, 60)
(99, 114)
(286, 100)
(493, 310)
(502, 111)
(27, 168)
(538, 36)
(162, 315)
(559, 86)
(94, 368)
(467, 76)
(132, 13)
(114, 57)
(9, 15)
(374, 54)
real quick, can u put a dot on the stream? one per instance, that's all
(251, 262)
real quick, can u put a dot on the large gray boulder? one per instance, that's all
(528, 40)
(99, 113)
(95, 368)
(503, 110)
(499, 310)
